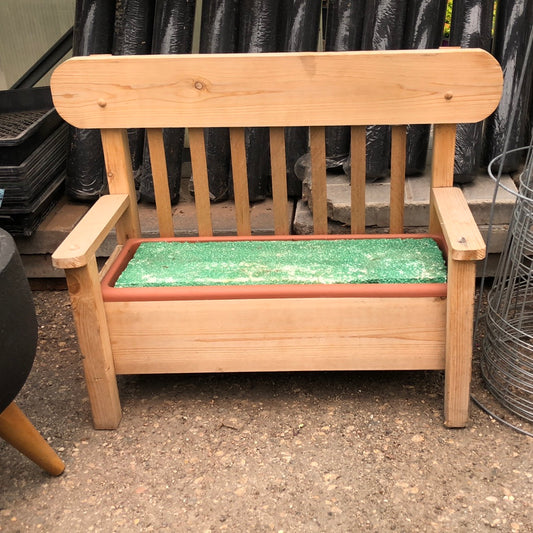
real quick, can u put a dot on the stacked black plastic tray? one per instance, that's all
(33, 147)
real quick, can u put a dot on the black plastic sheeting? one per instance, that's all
(299, 22)
(257, 33)
(514, 22)
(218, 35)
(173, 29)
(424, 25)
(471, 28)
(93, 34)
(134, 20)
(382, 30)
(344, 28)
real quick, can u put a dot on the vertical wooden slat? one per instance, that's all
(201, 183)
(358, 178)
(397, 178)
(160, 177)
(318, 178)
(279, 180)
(120, 180)
(240, 181)
(441, 166)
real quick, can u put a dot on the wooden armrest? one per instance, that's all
(90, 232)
(459, 228)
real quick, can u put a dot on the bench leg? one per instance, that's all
(459, 331)
(93, 336)
(16, 429)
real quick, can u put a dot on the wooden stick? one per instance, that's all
(397, 178)
(16, 429)
(240, 181)
(120, 180)
(201, 183)
(160, 177)
(279, 180)
(318, 178)
(358, 178)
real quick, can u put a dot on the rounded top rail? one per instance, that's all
(443, 86)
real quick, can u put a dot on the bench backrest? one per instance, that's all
(397, 88)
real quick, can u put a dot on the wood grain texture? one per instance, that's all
(278, 166)
(240, 181)
(459, 330)
(160, 178)
(458, 226)
(86, 237)
(397, 178)
(319, 191)
(282, 89)
(271, 335)
(201, 182)
(358, 178)
(120, 180)
(16, 429)
(93, 336)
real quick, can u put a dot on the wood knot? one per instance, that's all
(448, 95)
(198, 85)
(101, 102)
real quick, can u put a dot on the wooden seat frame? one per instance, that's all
(397, 88)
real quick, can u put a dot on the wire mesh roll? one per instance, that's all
(507, 355)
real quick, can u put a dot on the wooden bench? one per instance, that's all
(264, 331)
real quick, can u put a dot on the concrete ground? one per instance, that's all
(346, 451)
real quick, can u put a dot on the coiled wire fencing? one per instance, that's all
(507, 351)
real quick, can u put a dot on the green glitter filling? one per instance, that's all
(167, 264)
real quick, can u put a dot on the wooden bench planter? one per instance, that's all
(261, 328)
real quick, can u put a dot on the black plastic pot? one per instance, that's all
(18, 323)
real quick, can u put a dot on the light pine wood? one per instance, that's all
(278, 165)
(458, 226)
(305, 89)
(160, 178)
(276, 91)
(441, 166)
(397, 178)
(83, 241)
(240, 181)
(16, 429)
(120, 180)
(358, 178)
(110, 261)
(201, 182)
(277, 334)
(319, 193)
(93, 336)
(459, 331)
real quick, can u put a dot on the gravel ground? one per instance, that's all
(260, 452)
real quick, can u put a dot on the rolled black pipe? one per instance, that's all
(257, 33)
(134, 20)
(218, 35)
(93, 34)
(382, 30)
(424, 25)
(344, 28)
(514, 22)
(299, 22)
(471, 27)
(173, 29)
